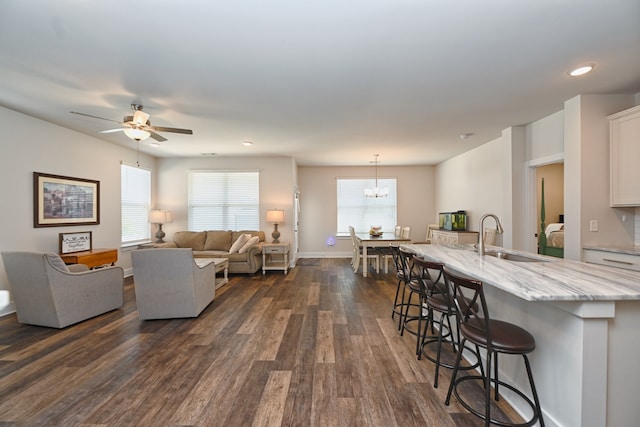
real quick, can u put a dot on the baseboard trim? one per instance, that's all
(324, 255)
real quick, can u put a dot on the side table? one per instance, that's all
(93, 258)
(275, 256)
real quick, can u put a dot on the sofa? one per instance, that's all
(222, 244)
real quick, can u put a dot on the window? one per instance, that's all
(362, 212)
(135, 201)
(223, 200)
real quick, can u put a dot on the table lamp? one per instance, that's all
(275, 216)
(159, 217)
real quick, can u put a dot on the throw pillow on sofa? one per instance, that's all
(251, 242)
(239, 243)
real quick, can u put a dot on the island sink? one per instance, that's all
(513, 257)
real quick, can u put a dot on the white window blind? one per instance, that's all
(224, 200)
(135, 202)
(363, 212)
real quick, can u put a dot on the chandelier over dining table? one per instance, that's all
(376, 191)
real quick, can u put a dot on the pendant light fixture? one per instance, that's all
(376, 191)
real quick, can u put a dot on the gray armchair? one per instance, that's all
(169, 284)
(47, 293)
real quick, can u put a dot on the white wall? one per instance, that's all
(586, 176)
(277, 186)
(545, 145)
(545, 138)
(479, 182)
(318, 218)
(31, 145)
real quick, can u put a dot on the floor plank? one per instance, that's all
(314, 347)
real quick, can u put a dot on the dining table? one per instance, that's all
(375, 241)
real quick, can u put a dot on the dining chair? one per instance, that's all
(430, 229)
(385, 253)
(406, 232)
(357, 253)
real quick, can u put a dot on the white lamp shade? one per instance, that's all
(275, 216)
(160, 216)
(137, 134)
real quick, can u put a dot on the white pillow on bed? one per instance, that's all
(239, 243)
(553, 227)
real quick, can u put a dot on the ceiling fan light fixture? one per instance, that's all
(137, 134)
(140, 118)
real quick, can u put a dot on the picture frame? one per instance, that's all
(62, 201)
(75, 242)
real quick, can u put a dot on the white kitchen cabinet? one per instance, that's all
(627, 261)
(624, 128)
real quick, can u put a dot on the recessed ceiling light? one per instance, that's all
(582, 70)
(466, 135)
(247, 143)
(207, 154)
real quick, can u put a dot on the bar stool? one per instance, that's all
(496, 337)
(394, 250)
(425, 286)
(410, 282)
(439, 301)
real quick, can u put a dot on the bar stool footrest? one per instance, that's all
(481, 414)
(446, 365)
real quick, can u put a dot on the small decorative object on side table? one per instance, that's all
(275, 256)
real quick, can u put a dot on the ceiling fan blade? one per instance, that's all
(111, 130)
(174, 130)
(155, 136)
(92, 116)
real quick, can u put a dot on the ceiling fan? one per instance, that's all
(138, 126)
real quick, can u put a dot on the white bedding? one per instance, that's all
(553, 227)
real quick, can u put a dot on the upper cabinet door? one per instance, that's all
(624, 128)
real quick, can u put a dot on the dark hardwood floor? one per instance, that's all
(316, 347)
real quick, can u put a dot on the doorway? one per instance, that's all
(552, 169)
(553, 175)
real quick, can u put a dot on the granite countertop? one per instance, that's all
(552, 279)
(630, 249)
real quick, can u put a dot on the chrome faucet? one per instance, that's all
(481, 238)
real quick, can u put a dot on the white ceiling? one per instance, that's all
(328, 82)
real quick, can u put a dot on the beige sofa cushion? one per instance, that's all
(218, 240)
(190, 239)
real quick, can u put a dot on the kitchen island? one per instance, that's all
(585, 320)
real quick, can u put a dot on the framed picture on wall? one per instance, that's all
(75, 242)
(62, 201)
